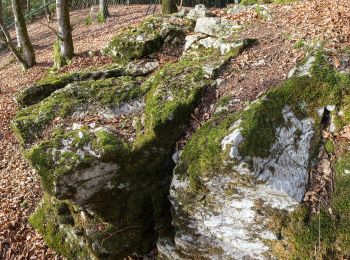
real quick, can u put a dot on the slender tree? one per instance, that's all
(19, 44)
(6, 39)
(2, 43)
(169, 6)
(1, 19)
(28, 50)
(66, 48)
(103, 10)
(47, 11)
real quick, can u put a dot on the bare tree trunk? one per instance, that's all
(181, 3)
(19, 44)
(2, 43)
(64, 30)
(169, 7)
(28, 5)
(1, 19)
(47, 11)
(5, 38)
(103, 10)
(28, 50)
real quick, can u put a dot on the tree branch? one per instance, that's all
(52, 29)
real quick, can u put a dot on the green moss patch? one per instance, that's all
(202, 155)
(46, 219)
(304, 95)
(175, 91)
(49, 84)
(135, 43)
(84, 96)
(67, 152)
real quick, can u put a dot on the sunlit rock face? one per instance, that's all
(241, 174)
(228, 222)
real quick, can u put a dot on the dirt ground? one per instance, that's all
(281, 43)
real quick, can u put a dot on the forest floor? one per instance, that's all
(282, 42)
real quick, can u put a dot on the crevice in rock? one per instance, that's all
(321, 176)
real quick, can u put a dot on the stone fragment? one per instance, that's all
(238, 9)
(215, 26)
(199, 11)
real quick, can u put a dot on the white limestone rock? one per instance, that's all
(215, 26)
(304, 69)
(83, 184)
(141, 68)
(191, 39)
(199, 11)
(229, 221)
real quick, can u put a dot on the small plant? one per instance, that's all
(299, 44)
(88, 20)
(261, 12)
(101, 18)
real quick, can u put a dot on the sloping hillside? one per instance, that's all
(285, 35)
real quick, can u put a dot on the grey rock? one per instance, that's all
(199, 11)
(215, 26)
(219, 44)
(193, 38)
(227, 222)
(141, 68)
(304, 69)
(182, 13)
(237, 9)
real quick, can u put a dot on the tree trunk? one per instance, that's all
(19, 44)
(28, 50)
(64, 30)
(169, 7)
(103, 10)
(2, 44)
(1, 19)
(28, 5)
(47, 12)
(5, 37)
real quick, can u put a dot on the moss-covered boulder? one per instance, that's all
(103, 148)
(241, 178)
(45, 87)
(148, 37)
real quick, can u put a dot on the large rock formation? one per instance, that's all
(102, 141)
(240, 180)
